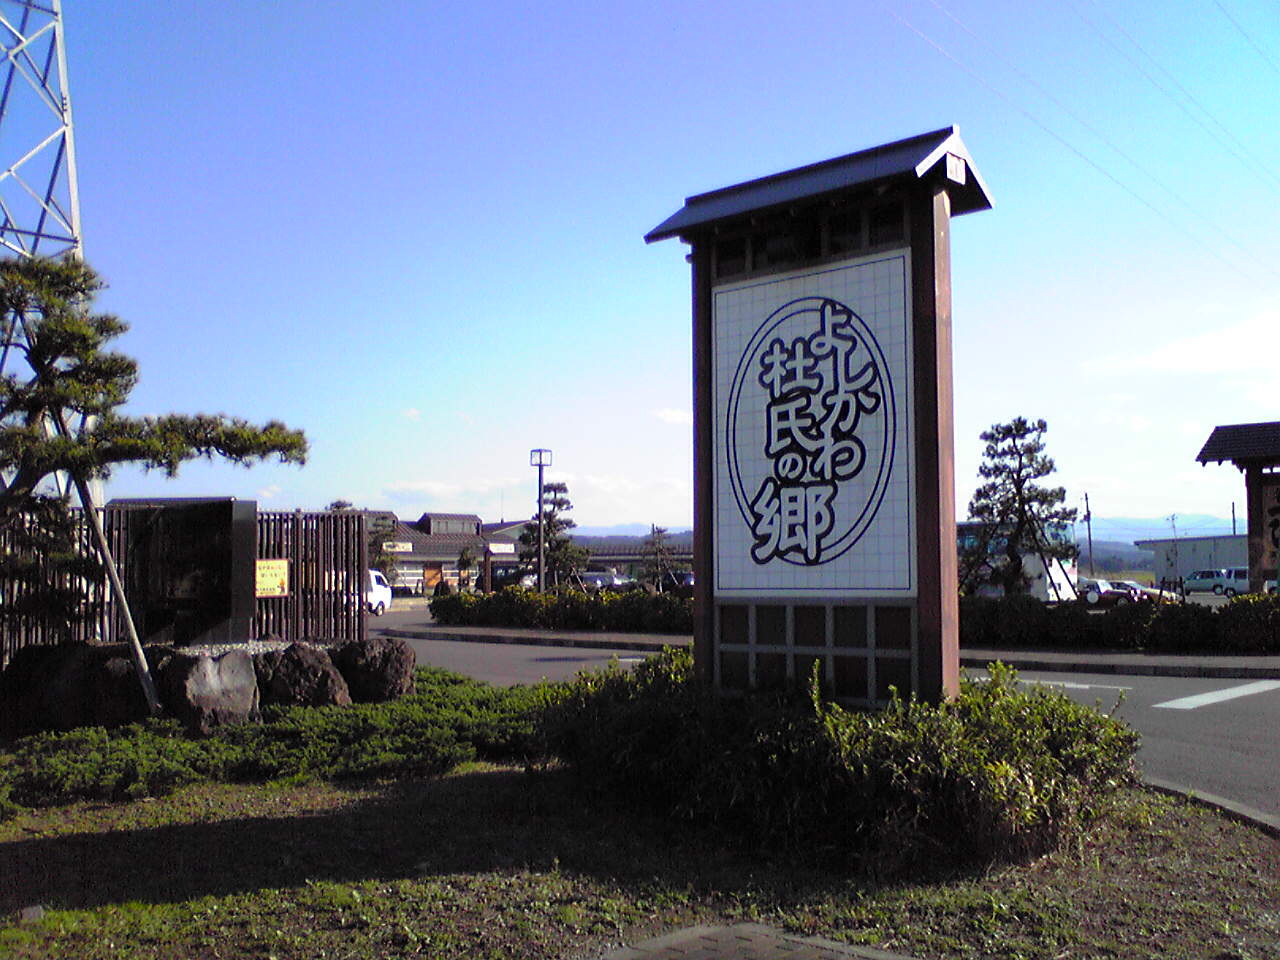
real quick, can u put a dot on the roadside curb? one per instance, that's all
(539, 640)
(1201, 670)
(1028, 661)
(1236, 811)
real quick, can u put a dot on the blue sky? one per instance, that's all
(414, 230)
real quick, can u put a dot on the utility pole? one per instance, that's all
(1088, 522)
(1233, 518)
(541, 458)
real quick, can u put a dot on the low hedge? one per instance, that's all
(447, 720)
(998, 774)
(1245, 624)
(633, 611)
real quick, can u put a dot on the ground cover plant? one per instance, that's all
(448, 720)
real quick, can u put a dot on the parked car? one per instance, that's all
(593, 580)
(1204, 581)
(1235, 580)
(377, 593)
(1137, 590)
(1103, 593)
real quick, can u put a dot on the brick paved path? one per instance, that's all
(744, 941)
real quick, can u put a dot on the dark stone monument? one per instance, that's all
(190, 568)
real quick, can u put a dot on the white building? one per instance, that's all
(1180, 557)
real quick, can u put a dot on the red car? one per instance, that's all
(1104, 593)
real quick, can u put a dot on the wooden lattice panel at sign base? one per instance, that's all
(862, 650)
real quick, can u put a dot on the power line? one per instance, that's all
(1049, 95)
(1248, 39)
(1242, 153)
(1162, 214)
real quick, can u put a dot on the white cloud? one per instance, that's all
(411, 413)
(444, 489)
(672, 415)
(269, 492)
(1237, 349)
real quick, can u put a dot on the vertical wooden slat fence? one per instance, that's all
(327, 556)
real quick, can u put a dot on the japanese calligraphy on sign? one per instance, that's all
(811, 445)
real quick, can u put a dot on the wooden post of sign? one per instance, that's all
(703, 563)
(938, 605)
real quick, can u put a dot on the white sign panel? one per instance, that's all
(814, 482)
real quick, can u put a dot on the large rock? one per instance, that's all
(205, 691)
(300, 675)
(67, 686)
(377, 669)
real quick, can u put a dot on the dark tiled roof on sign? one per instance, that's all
(1243, 443)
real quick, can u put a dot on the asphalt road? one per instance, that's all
(1217, 737)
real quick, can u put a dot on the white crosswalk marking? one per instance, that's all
(1217, 696)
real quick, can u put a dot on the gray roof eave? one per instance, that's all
(909, 160)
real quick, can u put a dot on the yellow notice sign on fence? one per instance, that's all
(272, 578)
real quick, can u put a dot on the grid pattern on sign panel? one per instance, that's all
(878, 504)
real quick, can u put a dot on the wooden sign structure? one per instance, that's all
(1255, 450)
(824, 487)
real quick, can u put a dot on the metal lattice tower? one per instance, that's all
(39, 201)
(39, 198)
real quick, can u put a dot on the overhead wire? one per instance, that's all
(1236, 148)
(1248, 39)
(1074, 115)
(1158, 211)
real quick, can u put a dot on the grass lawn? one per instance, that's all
(494, 862)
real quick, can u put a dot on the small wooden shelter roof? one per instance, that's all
(909, 159)
(1254, 444)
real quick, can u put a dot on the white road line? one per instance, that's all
(1217, 696)
(1068, 685)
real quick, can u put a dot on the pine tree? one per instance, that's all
(659, 563)
(562, 556)
(60, 414)
(1017, 514)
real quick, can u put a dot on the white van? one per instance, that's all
(1235, 580)
(377, 593)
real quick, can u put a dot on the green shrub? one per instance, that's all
(633, 611)
(149, 759)
(1250, 623)
(447, 720)
(996, 774)
(1183, 628)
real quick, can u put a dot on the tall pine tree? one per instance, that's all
(1018, 516)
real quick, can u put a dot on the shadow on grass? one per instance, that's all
(470, 823)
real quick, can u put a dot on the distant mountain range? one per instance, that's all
(1113, 537)
(624, 530)
(1129, 529)
(1119, 529)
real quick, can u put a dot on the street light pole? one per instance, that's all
(540, 458)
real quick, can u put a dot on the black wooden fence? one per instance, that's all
(327, 556)
(324, 555)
